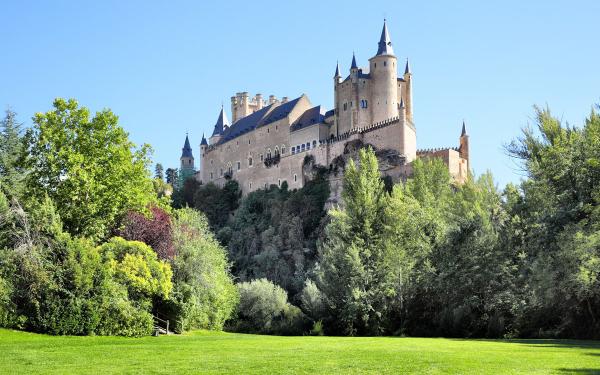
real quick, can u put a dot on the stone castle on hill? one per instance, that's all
(268, 139)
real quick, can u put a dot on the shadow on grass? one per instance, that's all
(554, 343)
(579, 371)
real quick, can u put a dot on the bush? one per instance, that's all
(204, 295)
(154, 230)
(264, 309)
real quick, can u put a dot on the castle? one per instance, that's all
(268, 139)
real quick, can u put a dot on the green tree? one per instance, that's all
(159, 172)
(204, 295)
(12, 147)
(88, 167)
(355, 272)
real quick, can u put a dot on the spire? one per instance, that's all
(407, 69)
(464, 130)
(221, 122)
(186, 151)
(385, 43)
(203, 142)
(337, 70)
(353, 66)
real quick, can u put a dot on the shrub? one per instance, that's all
(153, 230)
(264, 309)
(204, 295)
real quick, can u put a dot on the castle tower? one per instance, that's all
(220, 126)
(203, 149)
(384, 76)
(337, 79)
(408, 92)
(187, 158)
(464, 144)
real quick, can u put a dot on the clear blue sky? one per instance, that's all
(165, 66)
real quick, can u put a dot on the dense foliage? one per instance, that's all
(264, 308)
(88, 167)
(61, 273)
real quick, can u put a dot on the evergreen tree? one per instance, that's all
(158, 172)
(12, 173)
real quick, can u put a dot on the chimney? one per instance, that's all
(272, 99)
(284, 99)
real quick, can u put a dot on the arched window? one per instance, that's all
(303, 146)
(293, 150)
(314, 143)
(229, 168)
(250, 161)
(276, 150)
(262, 158)
(282, 149)
(269, 153)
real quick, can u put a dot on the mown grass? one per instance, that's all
(210, 352)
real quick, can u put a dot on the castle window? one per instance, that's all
(276, 150)
(293, 150)
(364, 103)
(248, 141)
(250, 185)
(295, 178)
(211, 162)
(279, 181)
(267, 130)
(282, 149)
(211, 175)
(375, 65)
(308, 145)
(249, 162)
(314, 143)
(345, 106)
(261, 158)
(385, 63)
(269, 154)
(303, 146)
(221, 171)
(239, 165)
(276, 127)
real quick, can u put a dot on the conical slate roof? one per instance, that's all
(407, 69)
(203, 142)
(221, 122)
(353, 66)
(337, 70)
(186, 151)
(385, 43)
(464, 130)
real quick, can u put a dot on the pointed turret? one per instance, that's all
(221, 123)
(407, 68)
(464, 144)
(186, 151)
(385, 43)
(187, 158)
(353, 66)
(464, 130)
(337, 70)
(203, 142)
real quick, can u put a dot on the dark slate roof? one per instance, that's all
(360, 75)
(245, 124)
(464, 130)
(186, 151)
(353, 66)
(203, 142)
(310, 117)
(279, 112)
(329, 113)
(221, 122)
(385, 43)
(407, 69)
(337, 70)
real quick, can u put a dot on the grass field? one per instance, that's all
(207, 352)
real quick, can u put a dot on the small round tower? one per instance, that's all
(384, 78)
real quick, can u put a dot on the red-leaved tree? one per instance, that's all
(154, 230)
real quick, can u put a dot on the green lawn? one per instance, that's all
(206, 352)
